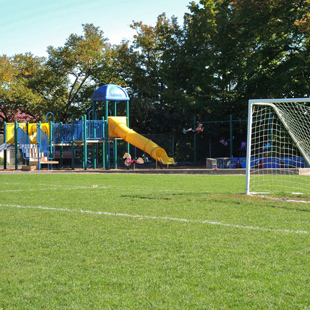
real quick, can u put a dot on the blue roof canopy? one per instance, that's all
(110, 92)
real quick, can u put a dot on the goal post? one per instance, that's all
(278, 147)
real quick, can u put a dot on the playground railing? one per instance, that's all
(44, 143)
(62, 133)
(95, 129)
(78, 130)
(24, 143)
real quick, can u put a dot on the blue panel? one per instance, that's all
(24, 143)
(78, 130)
(110, 92)
(95, 129)
(62, 133)
(281, 162)
(44, 143)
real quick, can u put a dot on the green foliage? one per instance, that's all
(224, 53)
(273, 46)
(149, 242)
(20, 86)
(61, 84)
(1, 161)
(74, 64)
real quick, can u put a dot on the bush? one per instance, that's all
(2, 161)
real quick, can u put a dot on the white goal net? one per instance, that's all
(278, 150)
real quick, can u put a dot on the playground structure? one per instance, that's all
(37, 142)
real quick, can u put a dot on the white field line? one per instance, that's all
(45, 185)
(63, 187)
(69, 187)
(50, 188)
(159, 218)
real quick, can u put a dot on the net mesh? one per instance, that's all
(280, 148)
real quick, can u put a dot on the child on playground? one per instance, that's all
(198, 130)
(225, 142)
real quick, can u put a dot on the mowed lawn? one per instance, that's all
(119, 241)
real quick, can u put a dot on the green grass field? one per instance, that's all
(103, 241)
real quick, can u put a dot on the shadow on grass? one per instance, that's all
(295, 205)
(146, 197)
(170, 196)
(289, 208)
(165, 197)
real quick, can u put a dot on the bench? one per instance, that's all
(49, 162)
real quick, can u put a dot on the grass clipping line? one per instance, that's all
(159, 218)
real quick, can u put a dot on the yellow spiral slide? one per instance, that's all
(118, 129)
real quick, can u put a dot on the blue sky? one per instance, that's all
(32, 25)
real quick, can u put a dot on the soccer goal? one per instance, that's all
(278, 148)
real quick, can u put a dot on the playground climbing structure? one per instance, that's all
(37, 142)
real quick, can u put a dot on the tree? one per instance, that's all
(73, 65)
(237, 50)
(273, 45)
(64, 83)
(19, 87)
(158, 82)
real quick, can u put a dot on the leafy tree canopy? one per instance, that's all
(225, 52)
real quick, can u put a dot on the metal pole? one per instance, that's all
(103, 145)
(115, 141)
(195, 144)
(127, 115)
(61, 147)
(39, 144)
(28, 161)
(72, 143)
(85, 143)
(51, 144)
(16, 145)
(106, 134)
(231, 135)
(248, 152)
(95, 136)
(5, 151)
(94, 156)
